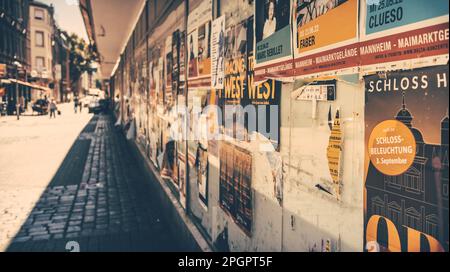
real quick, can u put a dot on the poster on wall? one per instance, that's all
(202, 167)
(218, 53)
(264, 96)
(182, 74)
(192, 55)
(318, 47)
(406, 177)
(213, 125)
(235, 76)
(403, 34)
(384, 15)
(235, 64)
(273, 39)
(199, 45)
(159, 75)
(168, 69)
(175, 62)
(334, 154)
(235, 192)
(182, 179)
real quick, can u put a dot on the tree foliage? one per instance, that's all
(82, 56)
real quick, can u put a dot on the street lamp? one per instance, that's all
(17, 65)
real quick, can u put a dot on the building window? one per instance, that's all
(377, 206)
(394, 213)
(394, 181)
(39, 39)
(413, 219)
(40, 63)
(445, 190)
(39, 14)
(432, 225)
(413, 180)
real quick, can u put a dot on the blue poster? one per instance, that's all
(388, 14)
(272, 30)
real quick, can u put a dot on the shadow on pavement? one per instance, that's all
(97, 199)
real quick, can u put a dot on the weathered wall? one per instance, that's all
(305, 210)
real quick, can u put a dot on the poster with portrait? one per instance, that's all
(218, 53)
(199, 45)
(318, 47)
(273, 58)
(264, 96)
(406, 160)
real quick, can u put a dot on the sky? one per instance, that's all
(68, 16)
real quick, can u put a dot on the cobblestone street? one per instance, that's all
(97, 198)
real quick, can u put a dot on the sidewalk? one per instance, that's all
(31, 151)
(98, 199)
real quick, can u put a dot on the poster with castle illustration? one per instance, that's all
(406, 164)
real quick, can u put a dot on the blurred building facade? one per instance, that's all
(14, 47)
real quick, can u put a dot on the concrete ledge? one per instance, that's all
(180, 223)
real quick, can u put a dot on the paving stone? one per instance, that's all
(38, 233)
(89, 219)
(73, 229)
(41, 237)
(72, 235)
(22, 239)
(76, 217)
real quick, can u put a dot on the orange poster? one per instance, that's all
(323, 23)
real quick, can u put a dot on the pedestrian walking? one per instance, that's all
(80, 104)
(53, 109)
(75, 103)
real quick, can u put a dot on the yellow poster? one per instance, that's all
(322, 23)
(334, 153)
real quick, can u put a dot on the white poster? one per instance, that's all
(218, 53)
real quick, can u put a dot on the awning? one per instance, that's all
(21, 83)
(26, 84)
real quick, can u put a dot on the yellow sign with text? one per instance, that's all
(322, 25)
(392, 147)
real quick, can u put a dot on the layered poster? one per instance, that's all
(273, 39)
(265, 97)
(199, 45)
(396, 31)
(218, 53)
(235, 191)
(235, 75)
(197, 145)
(406, 186)
(325, 36)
